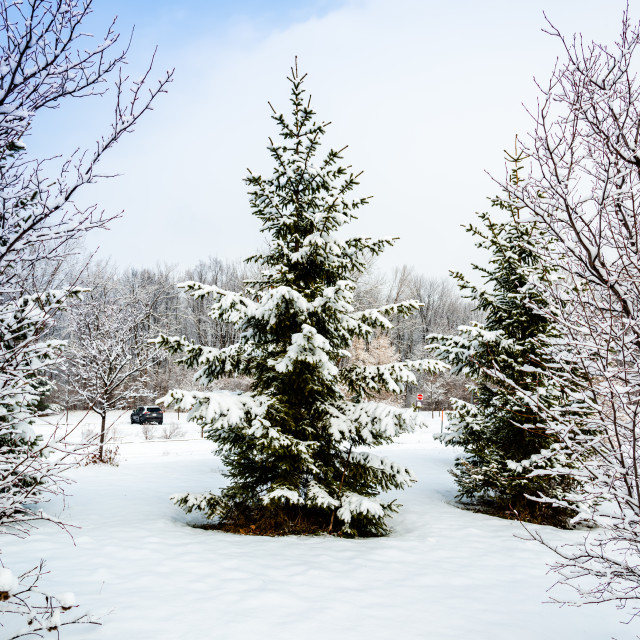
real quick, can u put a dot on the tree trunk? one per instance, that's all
(103, 431)
(344, 471)
(409, 392)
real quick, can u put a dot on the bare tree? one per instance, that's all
(109, 355)
(435, 392)
(162, 311)
(45, 57)
(584, 188)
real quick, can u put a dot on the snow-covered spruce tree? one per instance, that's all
(296, 446)
(510, 454)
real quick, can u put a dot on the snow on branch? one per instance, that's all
(371, 422)
(402, 476)
(392, 377)
(211, 363)
(222, 411)
(458, 350)
(280, 493)
(22, 597)
(317, 495)
(227, 306)
(308, 346)
(377, 318)
(337, 298)
(278, 300)
(354, 504)
(210, 407)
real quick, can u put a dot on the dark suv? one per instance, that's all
(144, 415)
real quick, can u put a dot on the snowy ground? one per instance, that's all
(443, 573)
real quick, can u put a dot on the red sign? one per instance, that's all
(419, 396)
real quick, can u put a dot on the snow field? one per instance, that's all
(444, 573)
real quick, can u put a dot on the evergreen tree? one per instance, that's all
(25, 356)
(294, 446)
(511, 451)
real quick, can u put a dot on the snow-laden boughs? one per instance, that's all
(391, 377)
(293, 444)
(513, 461)
(369, 421)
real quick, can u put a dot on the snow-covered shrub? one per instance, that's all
(296, 445)
(109, 454)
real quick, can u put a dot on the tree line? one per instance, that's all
(109, 362)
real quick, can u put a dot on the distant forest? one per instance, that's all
(110, 359)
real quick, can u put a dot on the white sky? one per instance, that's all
(426, 94)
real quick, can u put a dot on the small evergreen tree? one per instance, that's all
(511, 453)
(294, 446)
(26, 473)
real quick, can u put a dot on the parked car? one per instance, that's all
(147, 415)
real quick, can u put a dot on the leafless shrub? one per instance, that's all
(89, 434)
(171, 431)
(148, 431)
(109, 454)
(22, 597)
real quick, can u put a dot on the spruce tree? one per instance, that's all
(511, 453)
(28, 471)
(296, 446)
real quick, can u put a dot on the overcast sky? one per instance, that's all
(426, 93)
